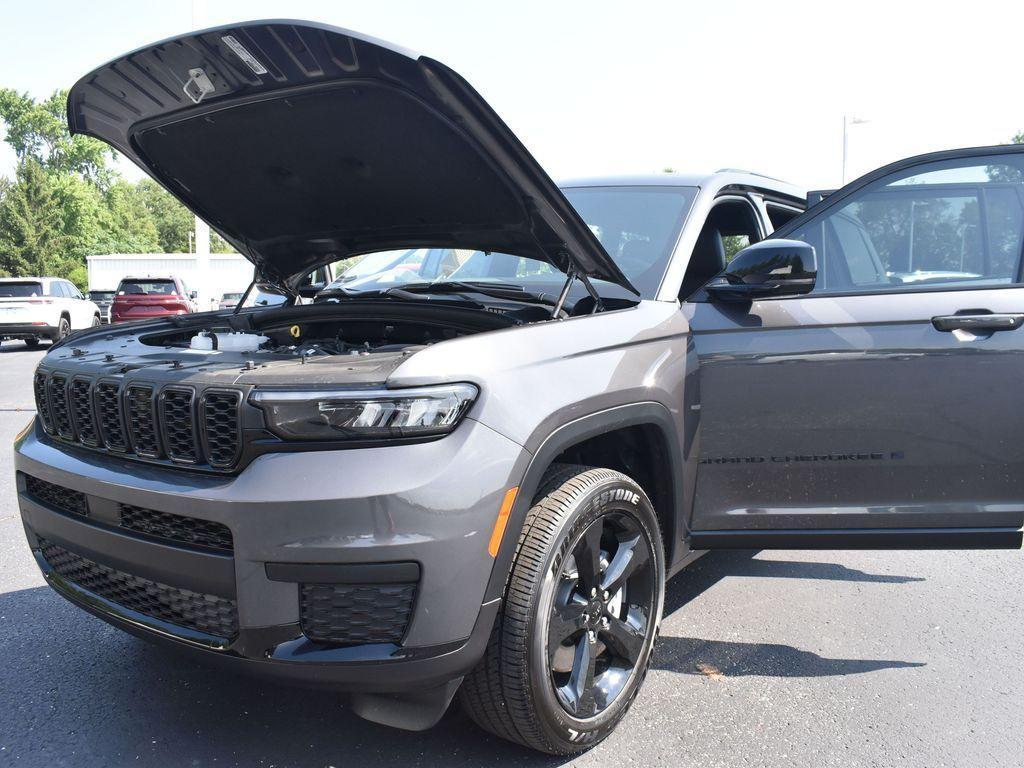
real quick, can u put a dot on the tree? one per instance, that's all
(39, 131)
(1005, 172)
(174, 222)
(33, 239)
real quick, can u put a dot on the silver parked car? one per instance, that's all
(477, 485)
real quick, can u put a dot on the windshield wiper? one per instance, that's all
(504, 291)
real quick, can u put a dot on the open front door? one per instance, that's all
(883, 409)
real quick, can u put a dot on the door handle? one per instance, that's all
(979, 321)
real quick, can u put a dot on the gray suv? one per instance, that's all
(478, 485)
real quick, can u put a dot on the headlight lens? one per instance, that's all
(348, 414)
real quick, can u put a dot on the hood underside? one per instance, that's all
(304, 144)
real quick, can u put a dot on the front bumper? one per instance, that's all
(321, 516)
(27, 331)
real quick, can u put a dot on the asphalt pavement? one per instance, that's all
(768, 659)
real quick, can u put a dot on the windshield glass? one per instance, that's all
(20, 290)
(637, 225)
(373, 263)
(101, 295)
(146, 288)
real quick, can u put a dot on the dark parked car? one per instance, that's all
(478, 485)
(103, 300)
(145, 298)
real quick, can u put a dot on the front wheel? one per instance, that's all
(572, 644)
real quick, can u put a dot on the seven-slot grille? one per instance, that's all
(172, 423)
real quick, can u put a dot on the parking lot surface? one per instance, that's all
(765, 659)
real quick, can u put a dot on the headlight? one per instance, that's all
(349, 414)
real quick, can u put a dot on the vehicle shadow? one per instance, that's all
(716, 659)
(76, 691)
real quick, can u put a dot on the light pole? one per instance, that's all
(847, 122)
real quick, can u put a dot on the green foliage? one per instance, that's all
(733, 245)
(79, 275)
(32, 235)
(172, 220)
(39, 131)
(65, 202)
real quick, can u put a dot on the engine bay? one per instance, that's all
(318, 331)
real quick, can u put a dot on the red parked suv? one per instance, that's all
(142, 298)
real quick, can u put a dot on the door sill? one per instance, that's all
(861, 538)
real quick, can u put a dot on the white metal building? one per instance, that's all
(221, 273)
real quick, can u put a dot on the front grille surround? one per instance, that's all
(221, 426)
(356, 614)
(110, 415)
(80, 396)
(39, 385)
(57, 389)
(210, 614)
(140, 417)
(178, 422)
(169, 424)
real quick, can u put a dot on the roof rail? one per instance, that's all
(751, 173)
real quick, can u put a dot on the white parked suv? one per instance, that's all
(34, 308)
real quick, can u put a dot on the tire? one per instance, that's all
(32, 343)
(529, 687)
(63, 329)
(96, 322)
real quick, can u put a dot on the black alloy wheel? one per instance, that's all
(604, 600)
(572, 644)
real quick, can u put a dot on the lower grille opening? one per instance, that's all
(56, 496)
(204, 613)
(184, 530)
(355, 614)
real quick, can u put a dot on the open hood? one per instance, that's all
(302, 144)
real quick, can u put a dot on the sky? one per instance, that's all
(596, 87)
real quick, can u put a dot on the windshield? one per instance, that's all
(146, 288)
(101, 295)
(20, 290)
(637, 225)
(373, 263)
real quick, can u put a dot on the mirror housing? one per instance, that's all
(193, 294)
(769, 268)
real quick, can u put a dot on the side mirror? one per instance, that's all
(193, 294)
(767, 269)
(310, 290)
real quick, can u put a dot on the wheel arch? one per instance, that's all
(650, 419)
